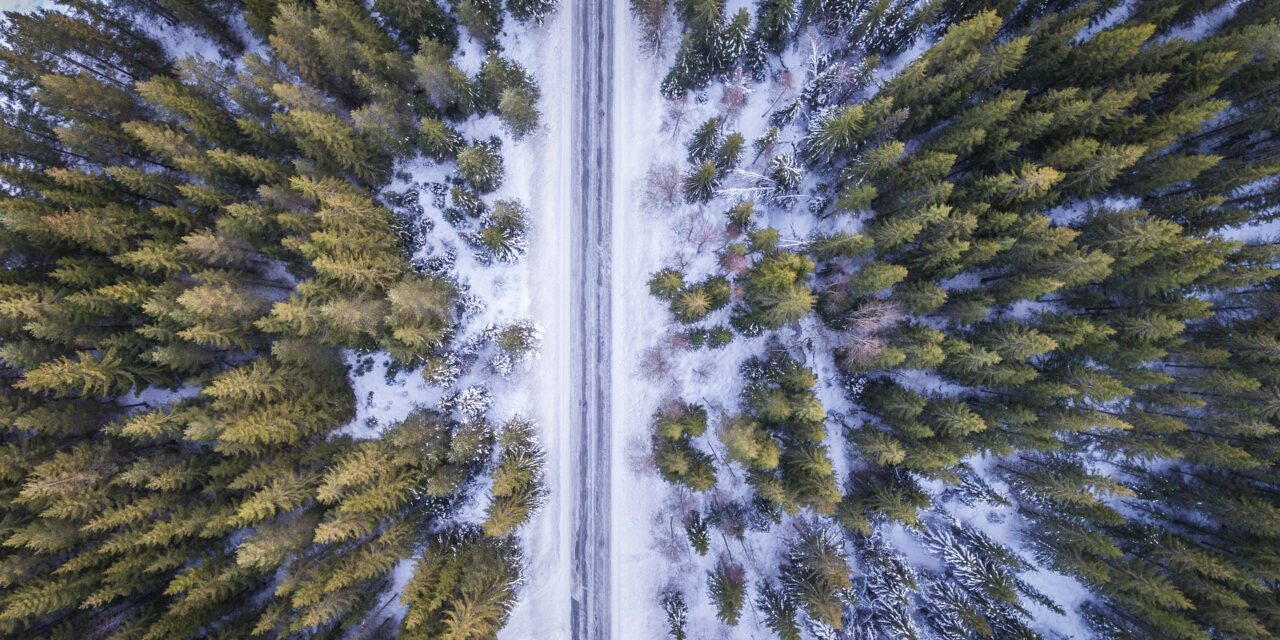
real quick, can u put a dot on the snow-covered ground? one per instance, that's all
(539, 167)
(641, 240)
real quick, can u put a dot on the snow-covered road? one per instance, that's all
(591, 302)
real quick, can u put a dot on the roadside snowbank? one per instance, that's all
(538, 169)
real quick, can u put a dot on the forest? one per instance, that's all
(996, 285)
(975, 256)
(192, 246)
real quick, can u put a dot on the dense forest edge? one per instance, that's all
(207, 219)
(1035, 243)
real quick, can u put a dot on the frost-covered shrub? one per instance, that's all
(662, 185)
(517, 343)
(469, 304)
(466, 204)
(503, 233)
(472, 402)
(481, 166)
(439, 262)
(442, 371)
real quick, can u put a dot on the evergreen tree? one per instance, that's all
(481, 167)
(677, 613)
(674, 453)
(517, 480)
(481, 18)
(531, 10)
(815, 575)
(726, 584)
(776, 291)
(462, 587)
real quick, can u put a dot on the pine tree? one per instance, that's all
(481, 167)
(674, 453)
(746, 442)
(463, 587)
(412, 20)
(776, 291)
(701, 183)
(207, 18)
(482, 18)
(816, 575)
(518, 110)
(531, 10)
(726, 584)
(502, 232)
(779, 611)
(773, 23)
(677, 612)
(159, 211)
(517, 481)
(696, 531)
(689, 72)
